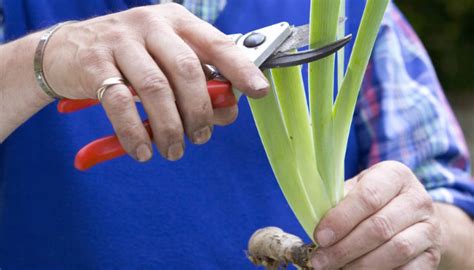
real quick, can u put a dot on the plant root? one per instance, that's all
(275, 249)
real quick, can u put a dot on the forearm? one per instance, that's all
(20, 95)
(458, 237)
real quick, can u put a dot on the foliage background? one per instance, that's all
(446, 28)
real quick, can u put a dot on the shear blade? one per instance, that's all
(303, 57)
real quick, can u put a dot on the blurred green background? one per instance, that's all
(447, 29)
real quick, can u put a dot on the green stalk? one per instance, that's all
(280, 152)
(309, 162)
(289, 87)
(347, 97)
(341, 32)
(323, 30)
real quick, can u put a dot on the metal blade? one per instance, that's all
(298, 58)
(299, 38)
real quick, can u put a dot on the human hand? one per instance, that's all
(159, 50)
(386, 221)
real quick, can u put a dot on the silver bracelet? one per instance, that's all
(38, 61)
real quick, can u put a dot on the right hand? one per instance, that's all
(159, 50)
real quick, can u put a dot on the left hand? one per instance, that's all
(386, 221)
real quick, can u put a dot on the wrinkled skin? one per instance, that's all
(386, 221)
(159, 50)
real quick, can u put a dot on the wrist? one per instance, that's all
(40, 97)
(21, 95)
(39, 59)
(24, 70)
(457, 231)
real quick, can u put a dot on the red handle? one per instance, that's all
(108, 148)
(73, 105)
(101, 150)
(220, 92)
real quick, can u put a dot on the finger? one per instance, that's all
(222, 115)
(400, 250)
(121, 110)
(375, 189)
(428, 260)
(187, 78)
(156, 95)
(117, 101)
(379, 228)
(225, 116)
(213, 47)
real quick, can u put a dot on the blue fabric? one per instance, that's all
(197, 213)
(23, 16)
(2, 26)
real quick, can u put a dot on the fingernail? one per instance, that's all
(319, 261)
(259, 83)
(325, 237)
(143, 153)
(175, 151)
(202, 136)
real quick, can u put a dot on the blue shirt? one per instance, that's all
(198, 213)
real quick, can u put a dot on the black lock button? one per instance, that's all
(254, 40)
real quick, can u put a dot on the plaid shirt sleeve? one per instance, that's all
(402, 114)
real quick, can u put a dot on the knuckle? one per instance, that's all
(115, 35)
(201, 114)
(143, 17)
(189, 65)
(400, 170)
(129, 132)
(177, 8)
(381, 227)
(141, 13)
(172, 132)
(244, 68)
(370, 198)
(221, 43)
(118, 100)
(154, 84)
(339, 253)
(91, 58)
(433, 256)
(422, 201)
(434, 232)
(179, 16)
(404, 247)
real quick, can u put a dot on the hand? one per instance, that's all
(386, 221)
(159, 50)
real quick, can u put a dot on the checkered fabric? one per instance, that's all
(402, 114)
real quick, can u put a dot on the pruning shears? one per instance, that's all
(269, 47)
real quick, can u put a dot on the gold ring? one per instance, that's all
(107, 84)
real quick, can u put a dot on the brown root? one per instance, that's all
(275, 249)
